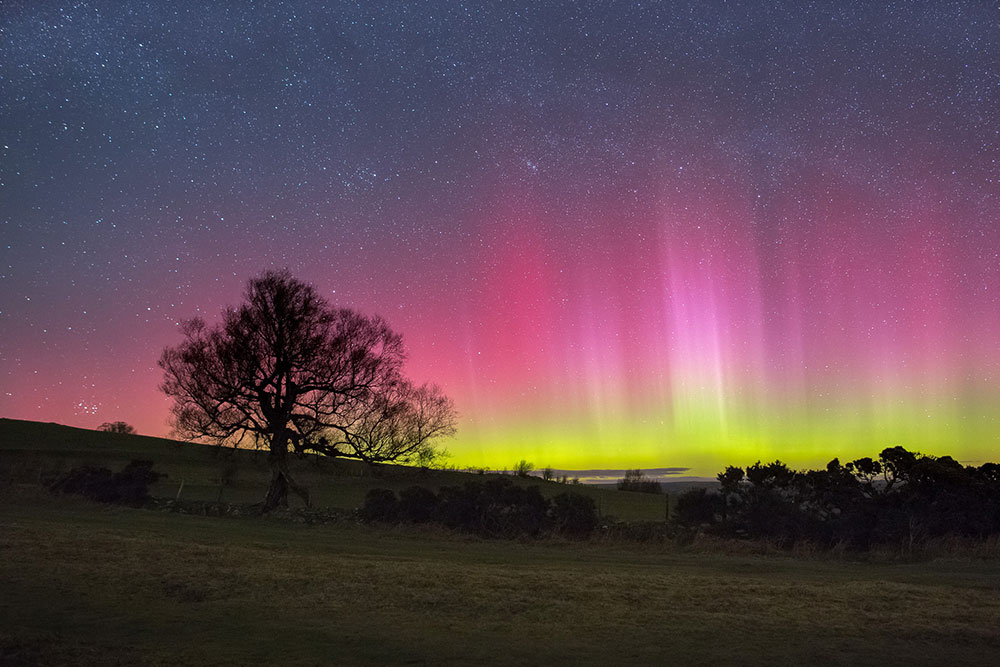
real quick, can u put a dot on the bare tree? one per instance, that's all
(288, 371)
(400, 423)
(523, 468)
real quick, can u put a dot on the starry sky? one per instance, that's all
(643, 234)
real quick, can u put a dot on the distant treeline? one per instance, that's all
(636, 480)
(901, 498)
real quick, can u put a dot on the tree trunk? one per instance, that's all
(277, 492)
(281, 480)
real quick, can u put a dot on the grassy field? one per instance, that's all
(32, 452)
(82, 583)
(88, 584)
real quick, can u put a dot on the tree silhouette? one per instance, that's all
(636, 480)
(288, 371)
(400, 423)
(117, 427)
(902, 498)
(523, 468)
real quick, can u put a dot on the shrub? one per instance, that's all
(520, 510)
(696, 507)
(493, 508)
(89, 481)
(132, 483)
(496, 508)
(574, 514)
(380, 505)
(901, 499)
(128, 487)
(417, 504)
(523, 468)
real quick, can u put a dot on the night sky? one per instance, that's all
(617, 234)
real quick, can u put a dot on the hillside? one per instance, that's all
(35, 453)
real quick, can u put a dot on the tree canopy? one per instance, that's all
(900, 497)
(117, 427)
(286, 370)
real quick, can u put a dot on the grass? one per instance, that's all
(31, 452)
(87, 584)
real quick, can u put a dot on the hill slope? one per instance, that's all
(36, 453)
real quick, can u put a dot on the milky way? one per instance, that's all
(654, 234)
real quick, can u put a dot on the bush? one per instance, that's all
(696, 507)
(88, 481)
(574, 514)
(380, 505)
(523, 468)
(496, 508)
(128, 487)
(900, 500)
(520, 510)
(417, 504)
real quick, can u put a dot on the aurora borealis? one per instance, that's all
(647, 235)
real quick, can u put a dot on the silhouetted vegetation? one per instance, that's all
(635, 480)
(286, 370)
(117, 427)
(493, 508)
(417, 504)
(697, 507)
(39, 454)
(523, 468)
(380, 505)
(573, 514)
(901, 498)
(128, 487)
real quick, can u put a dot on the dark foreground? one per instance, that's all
(86, 584)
